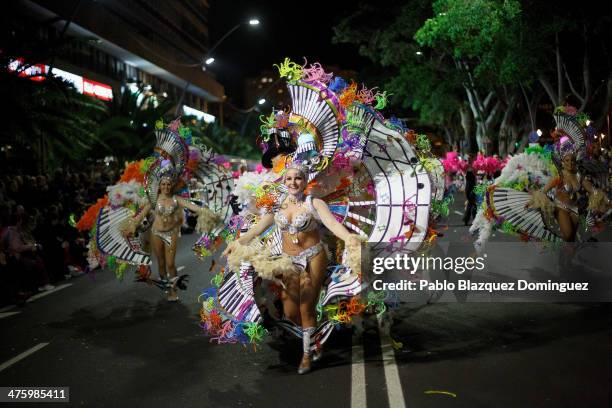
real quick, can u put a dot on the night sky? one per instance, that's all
(287, 29)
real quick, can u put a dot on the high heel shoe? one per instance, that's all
(172, 295)
(305, 365)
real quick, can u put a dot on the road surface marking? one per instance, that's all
(7, 308)
(458, 213)
(7, 314)
(395, 394)
(358, 380)
(48, 292)
(180, 268)
(21, 356)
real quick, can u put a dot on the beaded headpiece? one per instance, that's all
(167, 171)
(299, 167)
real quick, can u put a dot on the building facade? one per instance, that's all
(152, 46)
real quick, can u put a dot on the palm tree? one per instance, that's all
(48, 120)
(127, 132)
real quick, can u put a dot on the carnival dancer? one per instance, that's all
(168, 216)
(298, 216)
(147, 206)
(569, 195)
(543, 193)
(376, 179)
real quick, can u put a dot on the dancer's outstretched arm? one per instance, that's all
(129, 228)
(256, 230)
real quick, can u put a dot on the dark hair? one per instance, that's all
(277, 145)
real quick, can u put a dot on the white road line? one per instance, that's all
(358, 380)
(395, 393)
(458, 213)
(180, 268)
(7, 308)
(43, 294)
(21, 356)
(7, 314)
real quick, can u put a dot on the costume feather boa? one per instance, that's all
(124, 193)
(531, 171)
(207, 220)
(267, 266)
(525, 172)
(245, 185)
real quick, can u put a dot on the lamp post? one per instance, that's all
(261, 101)
(208, 58)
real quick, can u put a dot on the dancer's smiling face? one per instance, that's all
(295, 182)
(569, 162)
(165, 186)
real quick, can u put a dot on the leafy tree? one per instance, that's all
(482, 38)
(425, 83)
(571, 49)
(230, 142)
(48, 120)
(127, 131)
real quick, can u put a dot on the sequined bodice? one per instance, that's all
(166, 211)
(303, 221)
(572, 189)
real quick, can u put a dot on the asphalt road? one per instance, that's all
(122, 344)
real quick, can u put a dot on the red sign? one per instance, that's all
(97, 89)
(34, 72)
(82, 84)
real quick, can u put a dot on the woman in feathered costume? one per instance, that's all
(151, 194)
(297, 216)
(541, 194)
(571, 194)
(370, 176)
(168, 213)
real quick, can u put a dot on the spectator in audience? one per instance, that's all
(24, 253)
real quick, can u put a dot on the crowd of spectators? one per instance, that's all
(38, 247)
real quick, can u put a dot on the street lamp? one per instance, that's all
(208, 59)
(261, 101)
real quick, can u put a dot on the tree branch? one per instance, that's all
(554, 98)
(491, 116)
(571, 85)
(531, 118)
(559, 71)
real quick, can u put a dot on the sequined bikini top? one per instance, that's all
(166, 211)
(304, 221)
(571, 189)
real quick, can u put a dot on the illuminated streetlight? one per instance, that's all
(208, 58)
(588, 122)
(539, 132)
(419, 53)
(261, 101)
